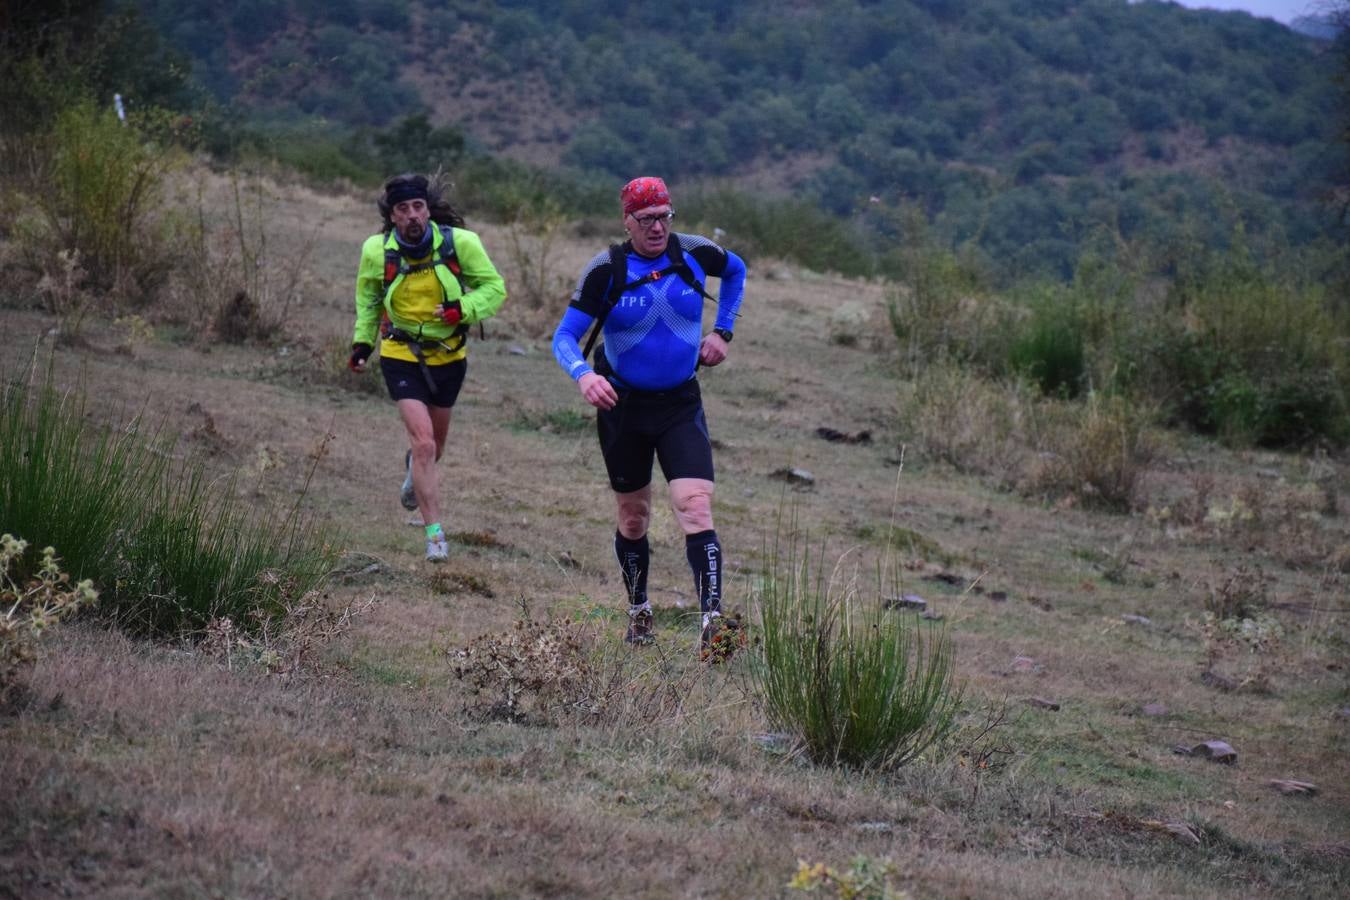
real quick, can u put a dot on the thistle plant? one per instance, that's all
(856, 684)
(29, 606)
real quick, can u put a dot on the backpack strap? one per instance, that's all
(395, 265)
(619, 283)
(680, 266)
(618, 275)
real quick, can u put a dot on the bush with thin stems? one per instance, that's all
(856, 684)
(169, 550)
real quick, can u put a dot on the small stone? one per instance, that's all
(1294, 788)
(1179, 830)
(516, 350)
(1024, 664)
(1043, 703)
(794, 476)
(773, 742)
(998, 596)
(906, 601)
(931, 616)
(1136, 620)
(1215, 751)
(876, 827)
(1154, 709)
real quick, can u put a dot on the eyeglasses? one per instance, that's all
(648, 221)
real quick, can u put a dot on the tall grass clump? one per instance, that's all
(1050, 347)
(168, 549)
(855, 684)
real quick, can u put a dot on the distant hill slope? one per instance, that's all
(1025, 125)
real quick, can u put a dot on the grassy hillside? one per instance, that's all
(1023, 129)
(350, 760)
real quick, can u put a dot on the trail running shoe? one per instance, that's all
(721, 638)
(406, 496)
(438, 551)
(640, 627)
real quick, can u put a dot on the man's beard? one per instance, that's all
(413, 231)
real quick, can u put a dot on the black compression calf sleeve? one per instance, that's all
(705, 558)
(634, 558)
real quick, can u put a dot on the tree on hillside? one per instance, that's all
(55, 53)
(1338, 12)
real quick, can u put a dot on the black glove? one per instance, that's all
(360, 353)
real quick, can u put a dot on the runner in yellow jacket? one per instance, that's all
(422, 281)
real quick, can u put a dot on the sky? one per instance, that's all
(1282, 10)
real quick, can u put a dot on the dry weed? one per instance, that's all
(1240, 635)
(538, 290)
(1099, 453)
(286, 645)
(29, 606)
(62, 289)
(560, 670)
(971, 423)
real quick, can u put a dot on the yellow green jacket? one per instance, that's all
(415, 311)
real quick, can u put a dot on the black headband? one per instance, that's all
(405, 190)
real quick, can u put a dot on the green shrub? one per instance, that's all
(941, 308)
(169, 549)
(1050, 348)
(1252, 355)
(857, 685)
(787, 228)
(98, 188)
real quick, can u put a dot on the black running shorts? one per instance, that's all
(406, 382)
(666, 424)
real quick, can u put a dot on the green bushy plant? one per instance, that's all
(169, 549)
(1050, 347)
(1250, 353)
(856, 684)
(97, 183)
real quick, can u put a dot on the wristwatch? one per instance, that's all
(724, 333)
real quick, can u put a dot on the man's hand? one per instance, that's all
(451, 312)
(360, 353)
(713, 349)
(598, 391)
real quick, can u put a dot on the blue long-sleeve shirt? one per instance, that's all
(652, 335)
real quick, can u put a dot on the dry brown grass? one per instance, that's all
(132, 769)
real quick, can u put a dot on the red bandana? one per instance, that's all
(641, 193)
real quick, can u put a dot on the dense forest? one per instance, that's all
(1025, 134)
(1128, 198)
(1021, 127)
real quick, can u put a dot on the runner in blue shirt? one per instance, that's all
(644, 386)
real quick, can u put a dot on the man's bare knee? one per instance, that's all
(635, 515)
(423, 447)
(693, 508)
